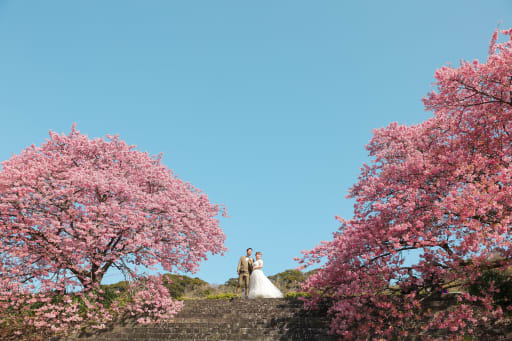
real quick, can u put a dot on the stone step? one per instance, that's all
(216, 334)
(202, 329)
(217, 337)
(261, 319)
(208, 313)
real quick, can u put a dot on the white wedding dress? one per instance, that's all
(260, 286)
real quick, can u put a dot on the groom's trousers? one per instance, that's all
(243, 280)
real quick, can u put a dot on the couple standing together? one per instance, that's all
(252, 279)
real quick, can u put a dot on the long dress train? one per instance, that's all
(260, 286)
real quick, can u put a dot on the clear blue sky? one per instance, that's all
(264, 105)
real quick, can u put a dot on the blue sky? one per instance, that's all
(264, 105)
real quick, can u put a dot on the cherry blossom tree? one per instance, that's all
(74, 208)
(440, 190)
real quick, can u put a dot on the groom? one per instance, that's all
(244, 270)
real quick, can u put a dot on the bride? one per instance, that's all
(259, 285)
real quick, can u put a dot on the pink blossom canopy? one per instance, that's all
(441, 189)
(75, 207)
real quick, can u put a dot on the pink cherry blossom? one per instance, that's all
(74, 208)
(441, 189)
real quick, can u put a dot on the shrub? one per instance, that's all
(296, 294)
(223, 296)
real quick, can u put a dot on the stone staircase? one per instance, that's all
(238, 319)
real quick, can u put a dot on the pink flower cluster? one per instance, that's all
(440, 191)
(152, 302)
(74, 207)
